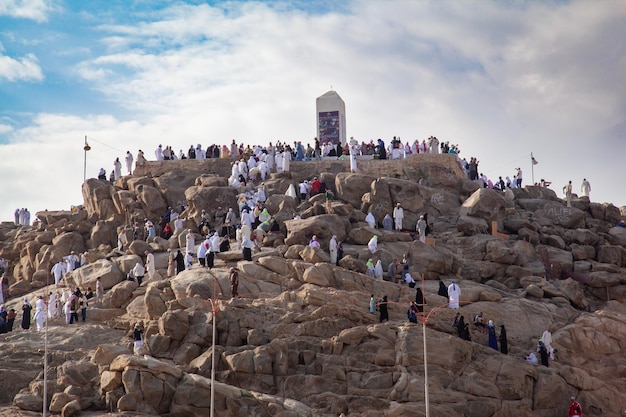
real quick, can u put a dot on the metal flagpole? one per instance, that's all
(86, 147)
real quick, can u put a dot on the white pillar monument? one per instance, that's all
(331, 118)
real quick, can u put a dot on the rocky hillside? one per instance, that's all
(300, 340)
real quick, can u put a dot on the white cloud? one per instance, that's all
(37, 10)
(25, 68)
(500, 80)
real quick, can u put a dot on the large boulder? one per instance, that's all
(209, 198)
(323, 226)
(351, 187)
(152, 200)
(86, 275)
(568, 217)
(485, 204)
(173, 185)
(95, 194)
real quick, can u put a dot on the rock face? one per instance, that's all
(299, 339)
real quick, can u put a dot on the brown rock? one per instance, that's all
(72, 408)
(351, 187)
(471, 225)
(323, 226)
(314, 255)
(486, 204)
(86, 275)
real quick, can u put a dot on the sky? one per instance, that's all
(502, 79)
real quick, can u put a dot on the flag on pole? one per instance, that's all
(533, 160)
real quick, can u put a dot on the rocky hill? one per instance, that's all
(300, 339)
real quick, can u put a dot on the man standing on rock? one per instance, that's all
(40, 313)
(398, 215)
(421, 229)
(567, 190)
(190, 242)
(585, 188)
(454, 295)
(129, 162)
(150, 267)
(332, 249)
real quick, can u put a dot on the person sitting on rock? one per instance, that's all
(409, 280)
(532, 358)
(479, 322)
(314, 243)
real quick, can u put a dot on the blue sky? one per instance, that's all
(500, 79)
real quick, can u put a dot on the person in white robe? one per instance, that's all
(150, 266)
(190, 241)
(421, 229)
(398, 215)
(40, 313)
(434, 145)
(251, 163)
(370, 220)
(158, 153)
(332, 248)
(286, 161)
(372, 245)
(188, 260)
(261, 196)
(234, 150)
(178, 225)
(378, 270)
(262, 170)
(454, 295)
(69, 264)
(532, 358)
(202, 250)
(269, 160)
(52, 305)
(58, 270)
(117, 168)
(408, 278)
(234, 172)
(129, 162)
(353, 154)
(279, 162)
(122, 240)
(243, 169)
(247, 218)
(585, 188)
(291, 192)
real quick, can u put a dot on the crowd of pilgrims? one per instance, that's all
(65, 302)
(275, 155)
(247, 227)
(276, 158)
